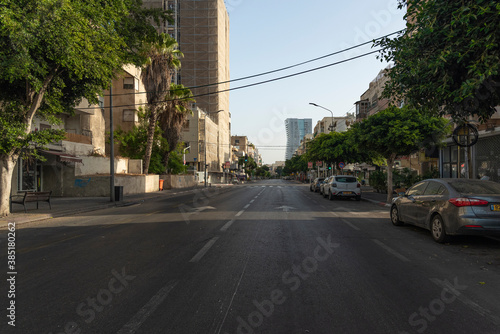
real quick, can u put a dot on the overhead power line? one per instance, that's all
(257, 83)
(279, 69)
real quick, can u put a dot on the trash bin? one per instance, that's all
(161, 184)
(118, 193)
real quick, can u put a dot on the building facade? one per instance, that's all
(296, 129)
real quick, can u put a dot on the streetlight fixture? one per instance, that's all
(184, 153)
(317, 105)
(205, 134)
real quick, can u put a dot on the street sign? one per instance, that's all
(309, 165)
(319, 163)
(341, 165)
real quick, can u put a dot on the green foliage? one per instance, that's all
(176, 163)
(378, 180)
(399, 131)
(448, 59)
(295, 165)
(54, 53)
(336, 147)
(133, 144)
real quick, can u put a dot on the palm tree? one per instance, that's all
(156, 75)
(174, 116)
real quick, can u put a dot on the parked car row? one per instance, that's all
(337, 186)
(446, 207)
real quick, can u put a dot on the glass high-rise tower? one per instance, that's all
(296, 129)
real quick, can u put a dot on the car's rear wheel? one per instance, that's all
(438, 230)
(395, 216)
(330, 196)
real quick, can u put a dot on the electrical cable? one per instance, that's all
(253, 84)
(279, 69)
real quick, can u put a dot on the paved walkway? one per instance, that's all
(66, 206)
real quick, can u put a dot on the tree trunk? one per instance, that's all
(149, 143)
(7, 164)
(390, 162)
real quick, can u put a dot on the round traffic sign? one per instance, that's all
(341, 165)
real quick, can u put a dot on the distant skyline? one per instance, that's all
(268, 35)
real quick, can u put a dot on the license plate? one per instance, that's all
(495, 207)
(347, 192)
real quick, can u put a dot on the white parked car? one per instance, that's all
(343, 186)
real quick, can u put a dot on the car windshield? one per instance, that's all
(345, 179)
(475, 187)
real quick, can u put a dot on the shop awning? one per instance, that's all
(62, 156)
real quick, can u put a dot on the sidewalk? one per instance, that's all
(371, 195)
(66, 206)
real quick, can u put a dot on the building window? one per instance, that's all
(185, 126)
(129, 115)
(128, 83)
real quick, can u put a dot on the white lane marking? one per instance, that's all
(240, 213)
(478, 309)
(227, 225)
(252, 201)
(390, 250)
(133, 325)
(350, 224)
(246, 206)
(204, 250)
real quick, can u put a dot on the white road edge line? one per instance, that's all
(390, 250)
(204, 250)
(240, 213)
(478, 309)
(227, 225)
(350, 224)
(133, 325)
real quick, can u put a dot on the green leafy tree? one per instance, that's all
(296, 164)
(394, 131)
(336, 147)
(54, 53)
(176, 163)
(447, 61)
(133, 144)
(156, 75)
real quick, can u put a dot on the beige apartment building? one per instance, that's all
(201, 28)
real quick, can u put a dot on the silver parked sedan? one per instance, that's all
(450, 207)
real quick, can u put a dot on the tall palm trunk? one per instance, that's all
(153, 116)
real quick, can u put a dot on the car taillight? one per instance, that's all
(359, 185)
(467, 201)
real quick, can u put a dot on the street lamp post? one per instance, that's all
(331, 112)
(184, 154)
(205, 134)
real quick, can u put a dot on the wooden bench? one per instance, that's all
(31, 196)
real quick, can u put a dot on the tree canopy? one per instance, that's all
(398, 131)
(447, 61)
(55, 53)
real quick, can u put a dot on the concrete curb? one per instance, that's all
(39, 217)
(377, 202)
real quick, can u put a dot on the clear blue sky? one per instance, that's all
(267, 35)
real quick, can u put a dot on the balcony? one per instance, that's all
(81, 139)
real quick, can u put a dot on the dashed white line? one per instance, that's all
(246, 206)
(133, 325)
(390, 250)
(252, 201)
(227, 225)
(240, 213)
(350, 224)
(204, 250)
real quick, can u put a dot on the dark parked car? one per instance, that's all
(315, 184)
(450, 207)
